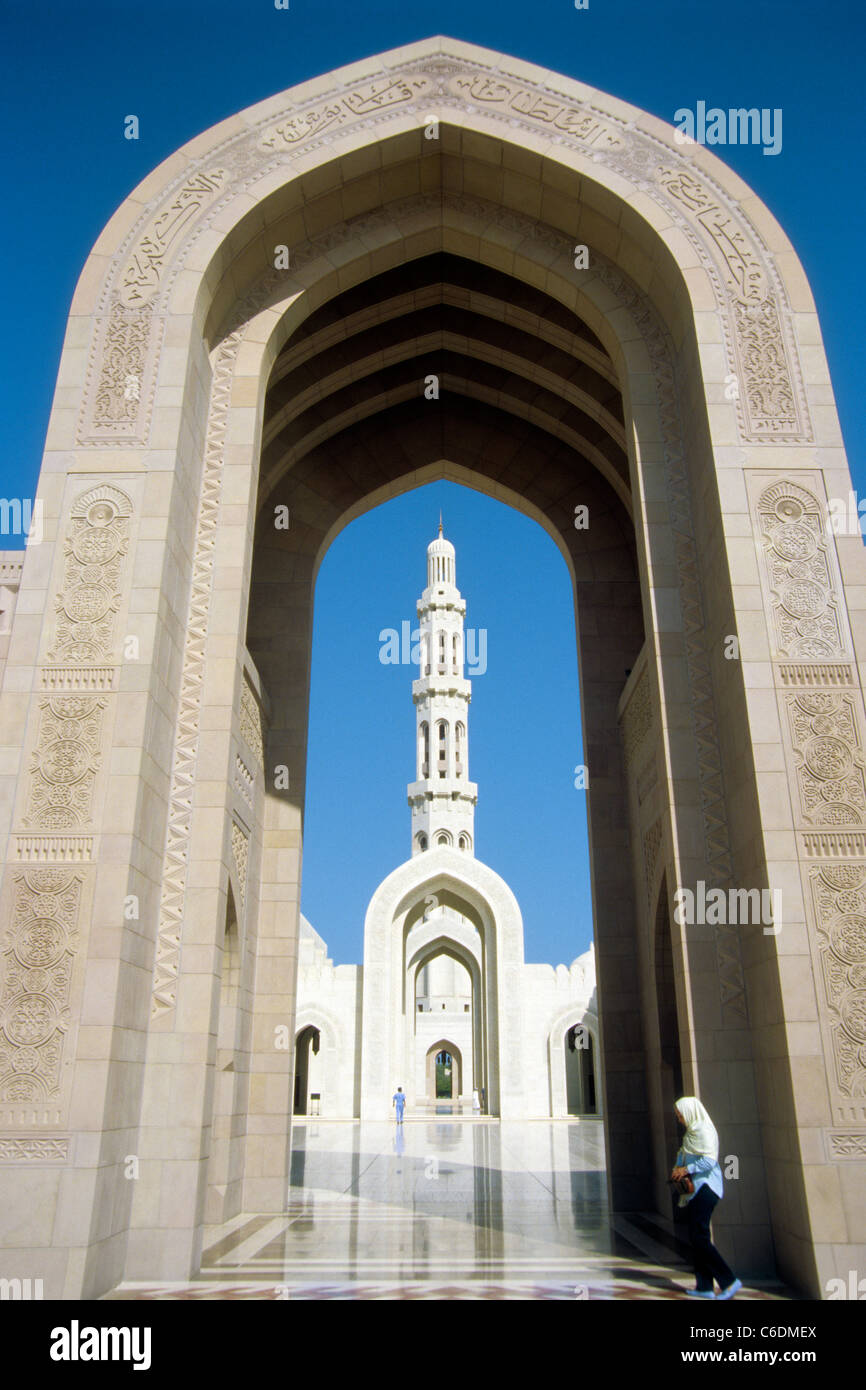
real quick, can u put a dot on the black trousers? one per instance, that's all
(709, 1264)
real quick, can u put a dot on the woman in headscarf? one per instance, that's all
(698, 1159)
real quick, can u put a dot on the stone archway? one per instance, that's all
(444, 1048)
(188, 416)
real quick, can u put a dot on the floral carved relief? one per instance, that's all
(827, 746)
(38, 952)
(800, 573)
(65, 763)
(95, 549)
(839, 897)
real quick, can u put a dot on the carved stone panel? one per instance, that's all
(95, 550)
(637, 717)
(241, 854)
(828, 752)
(65, 762)
(839, 900)
(800, 574)
(251, 721)
(39, 947)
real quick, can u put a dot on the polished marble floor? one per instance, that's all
(443, 1206)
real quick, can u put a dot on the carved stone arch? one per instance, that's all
(336, 1051)
(476, 88)
(704, 324)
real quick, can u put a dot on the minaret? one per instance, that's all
(442, 798)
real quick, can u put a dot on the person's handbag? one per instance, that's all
(683, 1185)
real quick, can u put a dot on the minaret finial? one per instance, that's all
(440, 521)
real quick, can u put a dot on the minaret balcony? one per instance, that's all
(442, 789)
(430, 686)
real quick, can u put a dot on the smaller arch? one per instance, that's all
(575, 1015)
(423, 750)
(444, 839)
(464, 842)
(459, 747)
(421, 841)
(436, 1071)
(308, 1040)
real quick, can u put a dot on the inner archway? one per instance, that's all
(307, 1046)
(550, 442)
(444, 1069)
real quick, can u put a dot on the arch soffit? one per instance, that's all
(458, 947)
(450, 869)
(168, 233)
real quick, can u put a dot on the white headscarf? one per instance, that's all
(701, 1136)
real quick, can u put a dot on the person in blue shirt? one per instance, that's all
(698, 1158)
(399, 1100)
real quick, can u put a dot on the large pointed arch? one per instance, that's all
(181, 388)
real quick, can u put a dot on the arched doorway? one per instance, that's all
(445, 998)
(306, 1050)
(444, 1069)
(580, 1078)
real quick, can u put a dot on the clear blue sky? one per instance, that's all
(73, 72)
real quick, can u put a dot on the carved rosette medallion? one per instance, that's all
(827, 746)
(38, 952)
(65, 763)
(95, 549)
(800, 574)
(839, 898)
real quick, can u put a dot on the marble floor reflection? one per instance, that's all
(442, 1206)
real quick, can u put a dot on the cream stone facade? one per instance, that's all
(154, 697)
(443, 969)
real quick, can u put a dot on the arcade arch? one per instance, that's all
(262, 394)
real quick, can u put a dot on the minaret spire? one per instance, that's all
(442, 798)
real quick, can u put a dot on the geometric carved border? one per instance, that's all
(35, 1148)
(174, 874)
(842, 1143)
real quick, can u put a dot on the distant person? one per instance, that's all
(697, 1166)
(399, 1100)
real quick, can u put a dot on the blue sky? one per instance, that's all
(74, 72)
